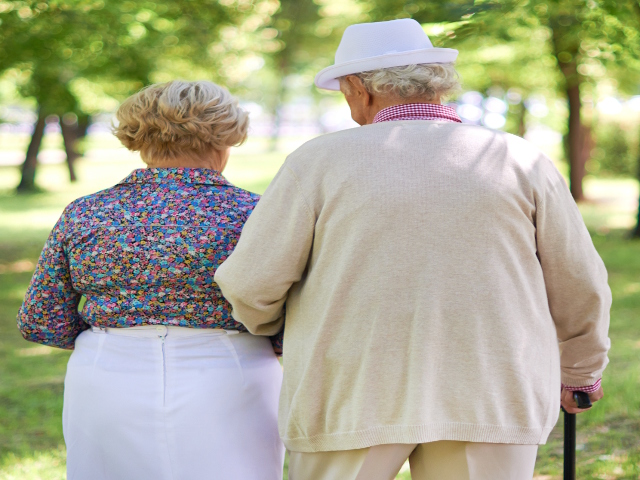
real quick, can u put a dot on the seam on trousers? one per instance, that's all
(164, 372)
(101, 339)
(163, 412)
(229, 344)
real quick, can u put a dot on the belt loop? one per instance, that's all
(162, 331)
(99, 329)
(231, 332)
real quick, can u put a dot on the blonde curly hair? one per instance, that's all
(428, 81)
(180, 119)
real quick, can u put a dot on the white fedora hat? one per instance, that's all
(371, 46)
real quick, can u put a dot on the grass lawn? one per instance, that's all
(31, 376)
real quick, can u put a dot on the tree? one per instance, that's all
(514, 57)
(117, 44)
(588, 40)
(569, 24)
(627, 72)
(307, 34)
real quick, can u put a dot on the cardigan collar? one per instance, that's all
(417, 111)
(203, 176)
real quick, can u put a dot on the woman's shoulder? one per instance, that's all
(85, 205)
(241, 196)
(246, 195)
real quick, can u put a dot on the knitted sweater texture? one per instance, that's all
(439, 283)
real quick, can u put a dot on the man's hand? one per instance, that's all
(569, 404)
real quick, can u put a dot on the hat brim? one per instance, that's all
(327, 78)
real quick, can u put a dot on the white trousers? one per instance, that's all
(444, 460)
(172, 403)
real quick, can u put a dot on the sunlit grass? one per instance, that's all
(31, 376)
(611, 204)
(47, 465)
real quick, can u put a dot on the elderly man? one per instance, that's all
(430, 272)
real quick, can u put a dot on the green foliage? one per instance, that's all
(615, 153)
(117, 44)
(425, 11)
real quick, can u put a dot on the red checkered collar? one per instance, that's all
(417, 111)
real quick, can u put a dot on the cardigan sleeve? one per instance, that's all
(49, 314)
(270, 257)
(576, 283)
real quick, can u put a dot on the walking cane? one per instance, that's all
(583, 401)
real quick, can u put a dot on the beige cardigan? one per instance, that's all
(430, 271)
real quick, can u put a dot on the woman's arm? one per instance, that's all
(49, 314)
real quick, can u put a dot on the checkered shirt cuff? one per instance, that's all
(589, 389)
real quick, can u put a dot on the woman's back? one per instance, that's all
(143, 252)
(162, 382)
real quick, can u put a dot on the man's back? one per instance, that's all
(418, 275)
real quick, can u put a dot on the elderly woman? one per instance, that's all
(162, 382)
(429, 270)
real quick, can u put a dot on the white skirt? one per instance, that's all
(156, 403)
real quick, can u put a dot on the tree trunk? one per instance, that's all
(522, 126)
(277, 117)
(563, 44)
(635, 233)
(69, 136)
(83, 126)
(275, 129)
(28, 180)
(577, 144)
(277, 105)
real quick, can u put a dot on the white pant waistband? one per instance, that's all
(162, 331)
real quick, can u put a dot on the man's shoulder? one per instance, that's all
(336, 146)
(415, 136)
(331, 140)
(378, 133)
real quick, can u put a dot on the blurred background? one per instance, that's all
(564, 74)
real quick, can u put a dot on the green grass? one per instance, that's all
(31, 376)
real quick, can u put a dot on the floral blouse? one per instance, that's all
(143, 252)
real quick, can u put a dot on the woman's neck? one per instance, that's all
(213, 161)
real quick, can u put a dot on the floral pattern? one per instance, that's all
(143, 252)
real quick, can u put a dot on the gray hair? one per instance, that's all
(428, 81)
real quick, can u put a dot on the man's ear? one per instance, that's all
(355, 87)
